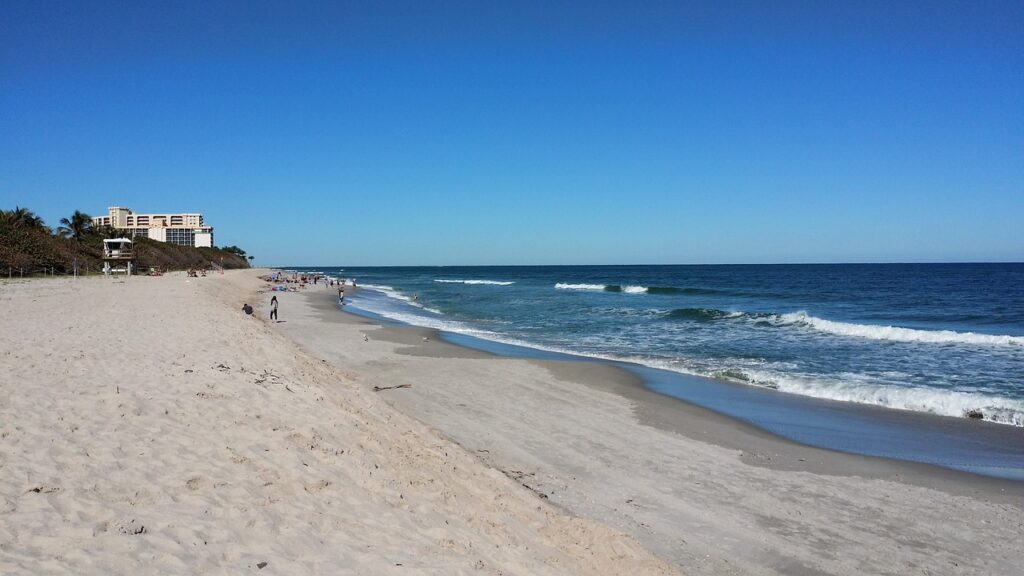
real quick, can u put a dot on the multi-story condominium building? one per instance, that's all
(182, 229)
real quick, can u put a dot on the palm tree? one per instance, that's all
(22, 216)
(75, 227)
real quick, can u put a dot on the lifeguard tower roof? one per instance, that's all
(118, 249)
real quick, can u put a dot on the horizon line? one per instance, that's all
(962, 262)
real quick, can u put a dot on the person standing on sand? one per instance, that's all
(273, 308)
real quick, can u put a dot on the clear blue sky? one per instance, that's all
(531, 132)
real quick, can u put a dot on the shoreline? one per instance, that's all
(595, 441)
(767, 339)
(960, 437)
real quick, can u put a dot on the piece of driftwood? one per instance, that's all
(379, 388)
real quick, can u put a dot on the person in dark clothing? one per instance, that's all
(273, 308)
(246, 308)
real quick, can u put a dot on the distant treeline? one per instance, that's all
(28, 246)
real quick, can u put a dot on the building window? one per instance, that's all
(181, 236)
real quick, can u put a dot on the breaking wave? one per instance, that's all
(476, 282)
(897, 334)
(918, 399)
(390, 292)
(849, 329)
(625, 289)
(629, 289)
(566, 286)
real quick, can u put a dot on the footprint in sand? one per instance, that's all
(317, 486)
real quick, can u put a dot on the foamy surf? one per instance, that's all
(568, 286)
(849, 329)
(656, 290)
(476, 282)
(603, 288)
(395, 294)
(953, 403)
(931, 400)
(897, 334)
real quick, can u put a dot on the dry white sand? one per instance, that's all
(148, 426)
(701, 491)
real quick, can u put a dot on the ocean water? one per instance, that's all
(815, 353)
(946, 339)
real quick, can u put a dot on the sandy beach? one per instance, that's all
(148, 425)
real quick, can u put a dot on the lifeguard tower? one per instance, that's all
(118, 256)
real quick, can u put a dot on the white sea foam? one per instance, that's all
(436, 320)
(919, 399)
(565, 286)
(858, 389)
(483, 282)
(392, 293)
(603, 287)
(898, 334)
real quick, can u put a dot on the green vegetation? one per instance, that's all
(76, 227)
(28, 246)
(234, 250)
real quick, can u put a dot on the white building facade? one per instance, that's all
(181, 229)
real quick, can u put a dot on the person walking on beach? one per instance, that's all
(273, 308)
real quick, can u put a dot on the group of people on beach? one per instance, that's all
(296, 278)
(302, 280)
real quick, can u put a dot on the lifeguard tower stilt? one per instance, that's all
(118, 256)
